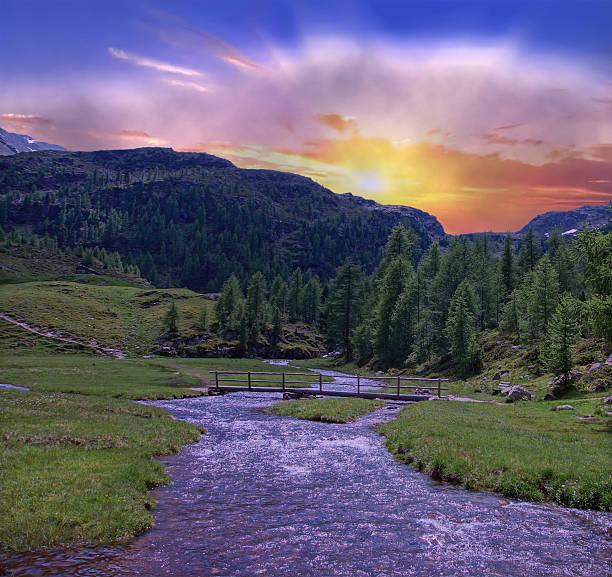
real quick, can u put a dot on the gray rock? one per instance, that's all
(565, 379)
(379, 373)
(517, 392)
(609, 360)
(563, 408)
(608, 401)
(599, 386)
(595, 367)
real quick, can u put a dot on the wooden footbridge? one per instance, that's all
(290, 385)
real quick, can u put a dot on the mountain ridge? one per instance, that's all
(199, 216)
(14, 143)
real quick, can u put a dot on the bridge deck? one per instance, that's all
(324, 393)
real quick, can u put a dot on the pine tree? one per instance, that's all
(403, 322)
(171, 320)
(203, 319)
(483, 281)
(561, 335)
(595, 249)
(529, 253)
(511, 315)
(507, 267)
(392, 286)
(227, 303)
(295, 295)
(255, 304)
(342, 306)
(460, 329)
(400, 243)
(278, 294)
(543, 296)
(243, 331)
(311, 300)
(277, 325)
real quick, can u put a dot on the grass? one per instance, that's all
(78, 467)
(90, 375)
(327, 410)
(127, 318)
(76, 457)
(200, 369)
(524, 451)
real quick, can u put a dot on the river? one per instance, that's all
(262, 495)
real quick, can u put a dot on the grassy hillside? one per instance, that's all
(125, 319)
(22, 263)
(119, 317)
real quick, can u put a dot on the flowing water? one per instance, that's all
(261, 495)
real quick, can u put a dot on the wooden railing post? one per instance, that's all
(398, 385)
(249, 376)
(438, 388)
(320, 382)
(358, 384)
(283, 382)
(216, 379)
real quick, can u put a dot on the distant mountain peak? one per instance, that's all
(568, 222)
(12, 143)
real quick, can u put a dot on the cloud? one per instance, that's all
(338, 122)
(179, 32)
(508, 127)
(504, 149)
(494, 138)
(187, 84)
(31, 120)
(150, 63)
(138, 136)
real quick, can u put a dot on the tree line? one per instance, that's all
(441, 307)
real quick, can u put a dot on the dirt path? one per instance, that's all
(55, 336)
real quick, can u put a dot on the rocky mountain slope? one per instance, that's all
(12, 143)
(570, 221)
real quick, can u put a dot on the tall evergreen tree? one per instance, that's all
(460, 329)
(295, 295)
(343, 306)
(543, 295)
(530, 252)
(561, 335)
(255, 304)
(392, 286)
(227, 303)
(171, 319)
(507, 267)
(403, 322)
(311, 300)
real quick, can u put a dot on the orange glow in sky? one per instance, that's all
(485, 135)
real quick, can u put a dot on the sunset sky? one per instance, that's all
(484, 113)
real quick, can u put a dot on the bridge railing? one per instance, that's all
(397, 384)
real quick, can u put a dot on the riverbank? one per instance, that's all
(76, 455)
(523, 451)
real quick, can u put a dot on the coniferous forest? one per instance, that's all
(186, 219)
(443, 306)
